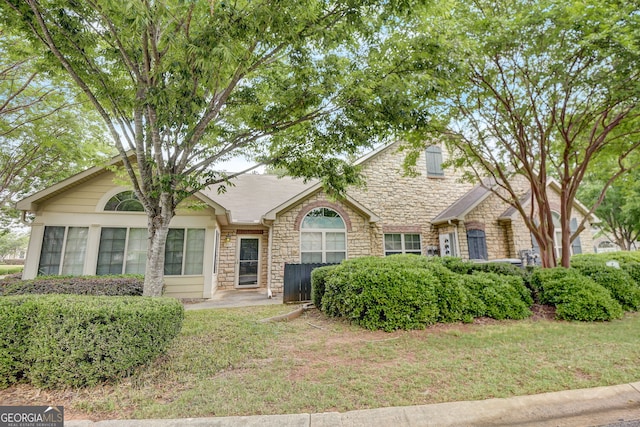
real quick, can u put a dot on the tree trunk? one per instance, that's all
(158, 227)
(565, 223)
(547, 255)
(154, 271)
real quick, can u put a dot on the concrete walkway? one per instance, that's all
(574, 408)
(236, 298)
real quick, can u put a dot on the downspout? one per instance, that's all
(455, 236)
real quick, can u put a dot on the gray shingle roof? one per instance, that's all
(253, 195)
(461, 207)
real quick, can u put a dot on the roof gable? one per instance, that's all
(461, 207)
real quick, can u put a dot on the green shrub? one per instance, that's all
(456, 302)
(504, 297)
(11, 269)
(79, 285)
(580, 298)
(381, 295)
(75, 341)
(457, 265)
(629, 261)
(619, 283)
(16, 315)
(318, 277)
(541, 276)
(408, 292)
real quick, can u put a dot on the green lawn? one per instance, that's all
(10, 269)
(226, 362)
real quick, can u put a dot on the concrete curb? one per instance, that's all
(572, 408)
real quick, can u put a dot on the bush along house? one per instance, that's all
(90, 224)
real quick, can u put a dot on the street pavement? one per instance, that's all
(614, 406)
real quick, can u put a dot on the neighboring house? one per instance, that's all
(88, 224)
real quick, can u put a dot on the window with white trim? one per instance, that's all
(125, 201)
(398, 243)
(557, 234)
(124, 250)
(323, 237)
(576, 247)
(63, 250)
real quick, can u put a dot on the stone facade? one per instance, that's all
(286, 233)
(401, 204)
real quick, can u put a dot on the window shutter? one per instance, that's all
(434, 161)
(477, 242)
(576, 247)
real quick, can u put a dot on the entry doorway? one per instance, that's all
(248, 273)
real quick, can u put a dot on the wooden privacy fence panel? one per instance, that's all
(297, 282)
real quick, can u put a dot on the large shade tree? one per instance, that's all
(183, 85)
(619, 211)
(541, 88)
(47, 131)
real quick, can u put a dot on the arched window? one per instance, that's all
(323, 237)
(125, 201)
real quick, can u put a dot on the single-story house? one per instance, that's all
(92, 224)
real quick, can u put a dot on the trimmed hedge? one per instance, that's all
(504, 297)
(580, 298)
(381, 298)
(59, 341)
(410, 292)
(619, 283)
(318, 277)
(629, 261)
(123, 285)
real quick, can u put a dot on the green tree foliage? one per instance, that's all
(620, 207)
(540, 89)
(183, 85)
(12, 243)
(47, 133)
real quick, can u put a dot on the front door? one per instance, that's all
(248, 262)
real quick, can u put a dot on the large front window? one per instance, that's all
(124, 250)
(402, 244)
(63, 250)
(323, 237)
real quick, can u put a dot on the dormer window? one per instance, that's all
(125, 201)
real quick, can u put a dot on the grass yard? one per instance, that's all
(226, 362)
(10, 269)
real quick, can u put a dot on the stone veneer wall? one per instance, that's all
(286, 238)
(497, 235)
(227, 267)
(406, 201)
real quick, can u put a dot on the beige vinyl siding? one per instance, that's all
(184, 286)
(82, 198)
(86, 198)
